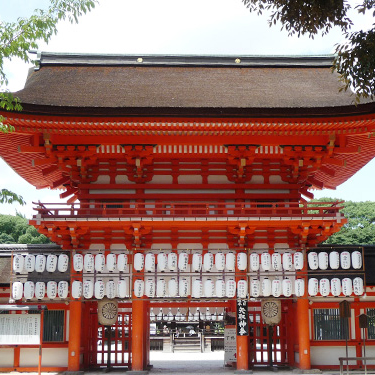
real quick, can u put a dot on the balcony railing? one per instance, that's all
(189, 209)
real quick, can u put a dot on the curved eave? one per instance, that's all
(358, 128)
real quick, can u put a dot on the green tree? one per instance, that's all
(16, 40)
(355, 59)
(360, 228)
(15, 229)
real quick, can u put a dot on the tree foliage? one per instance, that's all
(360, 228)
(355, 59)
(18, 38)
(15, 229)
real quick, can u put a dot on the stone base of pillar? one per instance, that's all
(311, 371)
(243, 372)
(72, 373)
(137, 372)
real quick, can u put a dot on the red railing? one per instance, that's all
(199, 209)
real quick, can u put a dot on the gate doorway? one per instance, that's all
(260, 339)
(109, 346)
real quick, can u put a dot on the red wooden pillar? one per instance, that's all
(302, 320)
(138, 334)
(74, 346)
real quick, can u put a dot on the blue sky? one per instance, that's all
(170, 27)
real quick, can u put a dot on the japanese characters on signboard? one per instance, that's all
(242, 318)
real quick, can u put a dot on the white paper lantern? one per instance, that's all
(139, 288)
(29, 263)
(266, 287)
(110, 289)
(254, 262)
(299, 287)
(220, 261)
(29, 290)
(209, 288)
(347, 286)
(313, 260)
(88, 289)
(40, 263)
(179, 317)
(298, 260)
(51, 263)
(230, 260)
(208, 314)
(197, 289)
(51, 289)
(17, 290)
(18, 263)
(139, 261)
(345, 260)
(172, 262)
(183, 261)
(323, 260)
(287, 261)
(335, 287)
(357, 260)
(99, 290)
(170, 316)
(78, 262)
(242, 289)
(276, 261)
(122, 262)
(162, 262)
(150, 288)
(313, 287)
(287, 287)
(242, 261)
(208, 262)
(89, 262)
(183, 287)
(111, 262)
(40, 290)
(63, 263)
(159, 317)
(334, 260)
(122, 288)
(99, 262)
(324, 287)
(265, 260)
(172, 287)
(276, 288)
(197, 315)
(161, 288)
(62, 289)
(220, 288)
(196, 264)
(254, 288)
(76, 289)
(358, 286)
(150, 262)
(230, 288)
(152, 315)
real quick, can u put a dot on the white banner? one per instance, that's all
(230, 345)
(19, 329)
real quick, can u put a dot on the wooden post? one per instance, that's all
(242, 352)
(138, 328)
(303, 333)
(74, 346)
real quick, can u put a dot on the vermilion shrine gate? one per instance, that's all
(209, 158)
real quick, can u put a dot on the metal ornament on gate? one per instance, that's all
(107, 312)
(271, 311)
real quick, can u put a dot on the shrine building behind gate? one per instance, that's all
(187, 183)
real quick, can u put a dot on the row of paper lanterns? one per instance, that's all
(334, 260)
(163, 262)
(40, 263)
(190, 317)
(336, 287)
(160, 289)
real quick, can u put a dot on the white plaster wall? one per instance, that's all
(257, 179)
(123, 179)
(329, 355)
(212, 179)
(6, 357)
(161, 179)
(266, 191)
(102, 179)
(276, 179)
(52, 357)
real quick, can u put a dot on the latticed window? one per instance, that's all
(329, 326)
(53, 325)
(371, 324)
